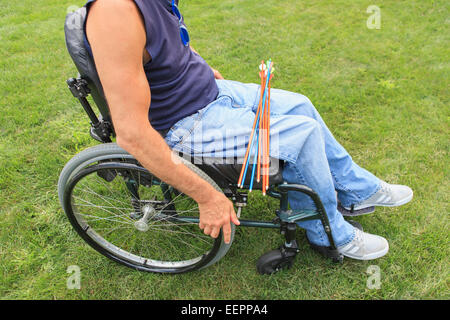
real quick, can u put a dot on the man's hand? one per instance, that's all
(217, 74)
(215, 213)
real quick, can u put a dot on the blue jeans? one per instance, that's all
(298, 136)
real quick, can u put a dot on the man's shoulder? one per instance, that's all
(118, 12)
(120, 20)
(114, 5)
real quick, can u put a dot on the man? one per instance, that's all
(142, 54)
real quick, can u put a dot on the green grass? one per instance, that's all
(383, 92)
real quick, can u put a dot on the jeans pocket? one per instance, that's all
(175, 133)
(234, 104)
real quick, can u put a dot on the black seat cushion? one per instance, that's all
(226, 174)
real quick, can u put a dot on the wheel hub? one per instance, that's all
(148, 213)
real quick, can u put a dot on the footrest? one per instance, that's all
(356, 224)
(328, 252)
(354, 213)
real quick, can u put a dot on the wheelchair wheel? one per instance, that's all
(130, 216)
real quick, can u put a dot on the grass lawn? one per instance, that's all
(383, 92)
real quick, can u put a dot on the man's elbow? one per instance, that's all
(130, 140)
(134, 136)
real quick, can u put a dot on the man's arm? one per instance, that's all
(117, 36)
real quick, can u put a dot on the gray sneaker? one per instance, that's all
(389, 195)
(365, 246)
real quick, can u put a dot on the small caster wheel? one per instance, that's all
(275, 260)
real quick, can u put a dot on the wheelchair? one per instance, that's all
(130, 216)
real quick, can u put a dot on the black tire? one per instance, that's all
(272, 262)
(160, 224)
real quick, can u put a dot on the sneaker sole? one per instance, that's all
(349, 213)
(397, 204)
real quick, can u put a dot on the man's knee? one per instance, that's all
(314, 129)
(306, 128)
(298, 124)
(308, 122)
(306, 107)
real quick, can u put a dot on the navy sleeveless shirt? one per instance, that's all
(181, 82)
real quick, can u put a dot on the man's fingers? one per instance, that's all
(207, 230)
(211, 221)
(234, 218)
(226, 232)
(215, 232)
(217, 75)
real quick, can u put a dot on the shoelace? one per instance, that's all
(359, 237)
(385, 187)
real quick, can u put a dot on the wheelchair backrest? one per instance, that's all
(74, 32)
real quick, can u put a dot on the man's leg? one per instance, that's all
(222, 129)
(353, 183)
(355, 186)
(308, 165)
